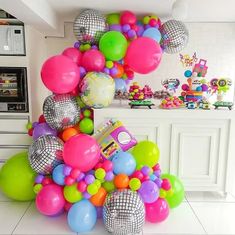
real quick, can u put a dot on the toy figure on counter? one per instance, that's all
(171, 84)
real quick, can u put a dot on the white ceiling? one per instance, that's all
(48, 16)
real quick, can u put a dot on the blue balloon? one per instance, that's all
(58, 175)
(199, 88)
(82, 216)
(120, 84)
(123, 162)
(153, 33)
(187, 73)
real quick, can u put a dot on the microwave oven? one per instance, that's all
(13, 89)
(12, 40)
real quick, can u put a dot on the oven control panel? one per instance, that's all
(13, 107)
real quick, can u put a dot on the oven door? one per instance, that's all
(13, 85)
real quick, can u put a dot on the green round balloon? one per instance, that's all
(113, 18)
(71, 193)
(146, 153)
(177, 187)
(108, 186)
(113, 45)
(17, 178)
(86, 125)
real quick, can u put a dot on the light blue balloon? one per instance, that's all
(153, 33)
(199, 88)
(82, 216)
(123, 163)
(120, 84)
(58, 175)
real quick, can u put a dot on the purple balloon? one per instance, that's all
(82, 71)
(76, 45)
(147, 26)
(89, 179)
(109, 176)
(106, 70)
(39, 179)
(43, 129)
(115, 27)
(94, 47)
(126, 28)
(157, 173)
(35, 124)
(113, 71)
(149, 191)
(140, 30)
(99, 210)
(158, 182)
(204, 87)
(80, 177)
(86, 195)
(145, 170)
(131, 33)
(67, 170)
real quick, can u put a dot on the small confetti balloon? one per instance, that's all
(61, 111)
(174, 36)
(89, 26)
(45, 154)
(123, 212)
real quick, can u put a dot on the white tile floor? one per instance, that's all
(200, 213)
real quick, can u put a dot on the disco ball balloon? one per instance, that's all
(45, 154)
(89, 26)
(97, 90)
(124, 212)
(61, 111)
(174, 36)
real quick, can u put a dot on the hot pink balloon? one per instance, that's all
(143, 55)
(82, 152)
(157, 211)
(93, 60)
(60, 74)
(50, 200)
(128, 17)
(74, 54)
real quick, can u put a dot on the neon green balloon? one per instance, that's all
(86, 125)
(113, 18)
(113, 45)
(108, 186)
(17, 178)
(146, 153)
(92, 189)
(71, 193)
(177, 187)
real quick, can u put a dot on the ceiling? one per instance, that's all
(48, 16)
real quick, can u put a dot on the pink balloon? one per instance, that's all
(157, 211)
(81, 151)
(128, 17)
(60, 74)
(50, 200)
(93, 60)
(74, 54)
(143, 55)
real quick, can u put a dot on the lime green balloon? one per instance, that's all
(177, 188)
(100, 173)
(71, 193)
(79, 102)
(113, 18)
(108, 186)
(113, 45)
(86, 125)
(146, 153)
(17, 178)
(134, 184)
(92, 189)
(87, 113)
(97, 183)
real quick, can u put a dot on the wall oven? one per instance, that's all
(13, 89)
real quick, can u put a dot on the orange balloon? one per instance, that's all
(120, 70)
(121, 181)
(99, 198)
(68, 133)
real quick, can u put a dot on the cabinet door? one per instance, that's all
(199, 154)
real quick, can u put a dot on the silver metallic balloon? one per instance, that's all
(61, 111)
(174, 36)
(123, 212)
(89, 26)
(45, 154)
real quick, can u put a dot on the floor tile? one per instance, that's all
(181, 220)
(216, 218)
(10, 215)
(208, 197)
(35, 223)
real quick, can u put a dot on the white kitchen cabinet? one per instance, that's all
(13, 135)
(196, 145)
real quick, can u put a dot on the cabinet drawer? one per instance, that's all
(13, 125)
(16, 139)
(6, 153)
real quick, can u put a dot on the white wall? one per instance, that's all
(214, 42)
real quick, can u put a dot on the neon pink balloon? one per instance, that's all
(60, 74)
(81, 151)
(93, 60)
(143, 55)
(74, 54)
(50, 200)
(128, 17)
(157, 211)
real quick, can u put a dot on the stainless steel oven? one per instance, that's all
(13, 89)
